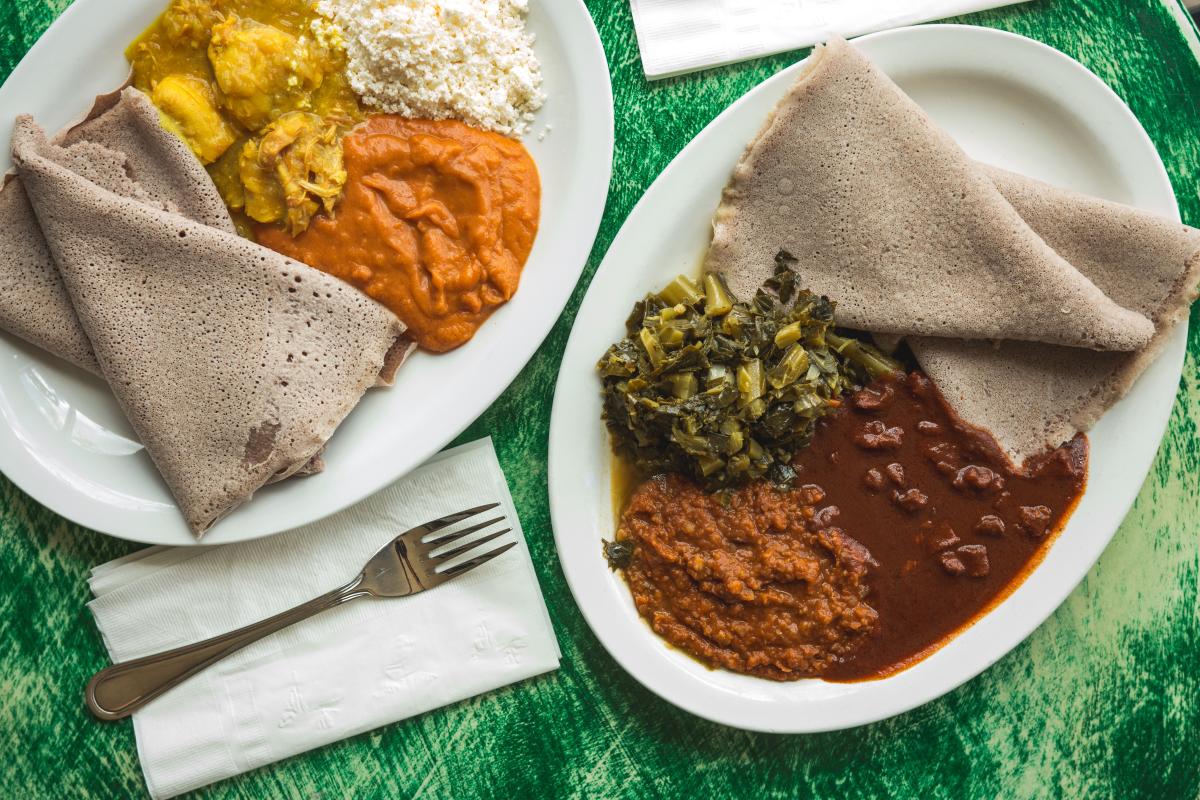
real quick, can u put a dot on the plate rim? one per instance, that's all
(22, 466)
(574, 572)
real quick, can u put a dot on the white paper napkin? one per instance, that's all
(677, 36)
(348, 670)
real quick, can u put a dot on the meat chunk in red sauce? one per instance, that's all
(911, 500)
(979, 479)
(990, 525)
(876, 436)
(873, 398)
(974, 558)
(1034, 520)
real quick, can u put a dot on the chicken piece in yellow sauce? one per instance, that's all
(293, 170)
(262, 71)
(258, 96)
(189, 110)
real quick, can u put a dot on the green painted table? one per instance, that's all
(1102, 701)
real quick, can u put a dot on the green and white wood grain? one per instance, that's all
(1102, 701)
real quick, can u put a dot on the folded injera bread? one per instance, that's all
(33, 303)
(1031, 396)
(233, 363)
(889, 217)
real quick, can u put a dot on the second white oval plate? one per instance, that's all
(1009, 101)
(64, 440)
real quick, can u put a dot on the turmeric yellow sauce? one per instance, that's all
(260, 98)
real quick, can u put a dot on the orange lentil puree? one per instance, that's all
(436, 223)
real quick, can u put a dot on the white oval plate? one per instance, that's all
(66, 443)
(1008, 100)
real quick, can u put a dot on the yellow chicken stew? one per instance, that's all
(260, 95)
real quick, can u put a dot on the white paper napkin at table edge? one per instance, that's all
(464, 476)
(140, 563)
(672, 34)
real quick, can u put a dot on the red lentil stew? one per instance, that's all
(903, 526)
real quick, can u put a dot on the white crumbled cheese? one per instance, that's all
(454, 59)
(328, 34)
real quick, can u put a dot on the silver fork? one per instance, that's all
(406, 565)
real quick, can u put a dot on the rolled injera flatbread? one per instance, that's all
(153, 166)
(888, 216)
(233, 363)
(1032, 396)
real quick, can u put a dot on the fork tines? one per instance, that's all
(431, 544)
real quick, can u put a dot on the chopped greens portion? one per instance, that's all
(726, 391)
(618, 553)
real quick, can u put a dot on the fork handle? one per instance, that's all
(119, 690)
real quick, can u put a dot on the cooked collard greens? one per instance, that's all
(618, 553)
(726, 391)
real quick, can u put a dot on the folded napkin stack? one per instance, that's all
(348, 670)
(678, 36)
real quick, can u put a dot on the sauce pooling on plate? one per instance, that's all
(437, 221)
(903, 526)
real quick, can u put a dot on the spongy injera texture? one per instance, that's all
(33, 301)
(233, 363)
(121, 147)
(887, 215)
(1032, 396)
